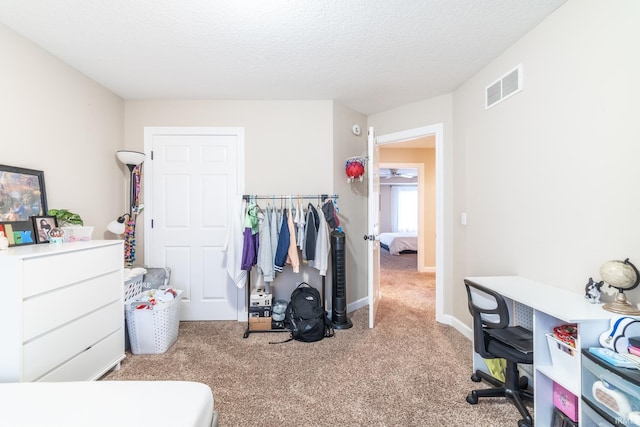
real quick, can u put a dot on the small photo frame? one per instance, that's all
(42, 226)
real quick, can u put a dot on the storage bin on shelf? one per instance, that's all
(77, 234)
(563, 356)
(611, 390)
(565, 401)
(153, 330)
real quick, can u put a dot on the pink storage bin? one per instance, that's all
(566, 401)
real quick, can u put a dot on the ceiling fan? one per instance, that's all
(397, 173)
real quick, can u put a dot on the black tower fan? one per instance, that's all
(339, 317)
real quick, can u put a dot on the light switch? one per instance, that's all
(463, 218)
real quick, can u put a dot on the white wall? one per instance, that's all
(549, 178)
(57, 120)
(353, 200)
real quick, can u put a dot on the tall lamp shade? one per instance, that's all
(130, 158)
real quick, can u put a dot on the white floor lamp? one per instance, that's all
(133, 160)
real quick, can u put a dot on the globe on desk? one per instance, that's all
(623, 276)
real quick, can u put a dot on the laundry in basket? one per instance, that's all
(153, 320)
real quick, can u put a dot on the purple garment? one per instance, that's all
(249, 249)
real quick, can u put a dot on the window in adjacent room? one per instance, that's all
(404, 208)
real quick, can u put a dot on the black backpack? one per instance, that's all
(305, 316)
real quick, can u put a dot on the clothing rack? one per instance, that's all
(249, 197)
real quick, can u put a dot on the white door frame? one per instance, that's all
(149, 132)
(437, 130)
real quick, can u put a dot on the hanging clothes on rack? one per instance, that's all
(283, 243)
(272, 212)
(323, 247)
(292, 252)
(311, 233)
(265, 254)
(330, 214)
(251, 237)
(300, 222)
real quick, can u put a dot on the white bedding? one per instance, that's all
(108, 404)
(398, 242)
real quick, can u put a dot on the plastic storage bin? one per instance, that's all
(77, 234)
(613, 391)
(154, 330)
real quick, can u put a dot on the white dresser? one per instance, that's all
(61, 311)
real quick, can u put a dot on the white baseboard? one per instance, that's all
(462, 328)
(362, 302)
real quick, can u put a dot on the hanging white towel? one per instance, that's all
(233, 244)
(323, 246)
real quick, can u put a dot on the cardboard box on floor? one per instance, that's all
(259, 323)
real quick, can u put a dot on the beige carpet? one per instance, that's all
(408, 371)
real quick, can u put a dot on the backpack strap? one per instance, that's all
(328, 326)
(282, 342)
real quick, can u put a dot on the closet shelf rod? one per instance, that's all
(286, 197)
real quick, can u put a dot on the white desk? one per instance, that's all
(551, 307)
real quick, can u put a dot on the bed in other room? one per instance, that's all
(397, 243)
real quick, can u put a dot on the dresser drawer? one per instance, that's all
(93, 363)
(41, 273)
(46, 352)
(45, 312)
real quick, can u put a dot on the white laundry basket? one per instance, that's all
(153, 330)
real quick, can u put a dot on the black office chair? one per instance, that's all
(494, 338)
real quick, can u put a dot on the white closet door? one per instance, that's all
(195, 175)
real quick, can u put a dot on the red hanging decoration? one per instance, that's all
(354, 169)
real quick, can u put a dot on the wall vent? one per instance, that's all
(506, 86)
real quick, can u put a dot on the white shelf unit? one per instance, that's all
(61, 312)
(551, 306)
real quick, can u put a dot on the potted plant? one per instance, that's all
(66, 218)
(72, 225)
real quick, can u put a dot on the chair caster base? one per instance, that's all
(525, 423)
(472, 398)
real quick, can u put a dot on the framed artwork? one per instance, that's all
(22, 195)
(42, 226)
(18, 233)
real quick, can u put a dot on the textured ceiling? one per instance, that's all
(371, 55)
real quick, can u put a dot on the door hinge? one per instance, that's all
(151, 154)
(152, 223)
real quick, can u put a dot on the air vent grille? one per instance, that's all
(508, 85)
